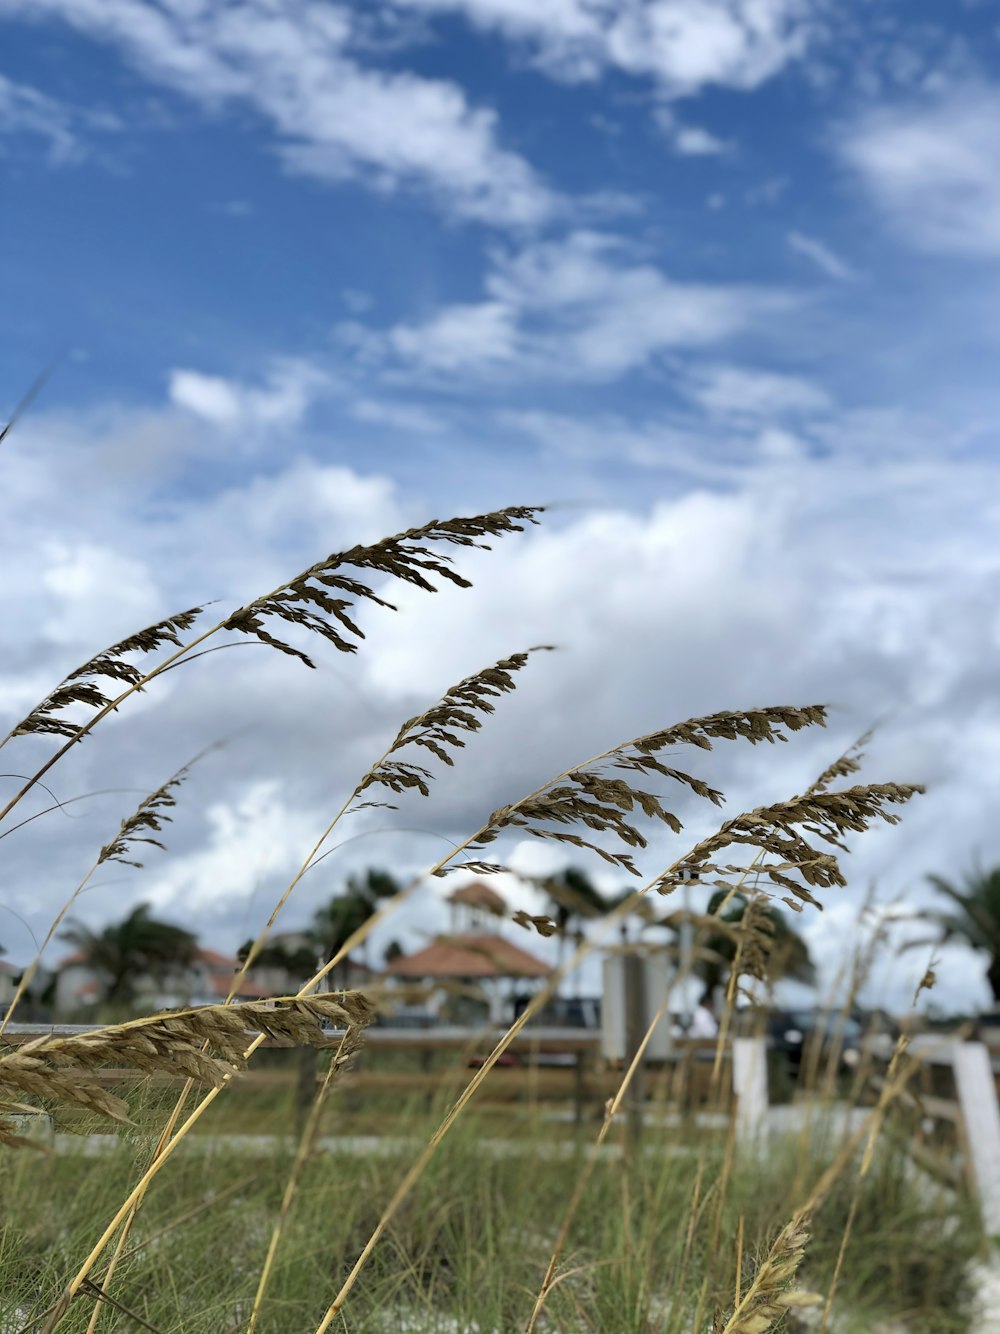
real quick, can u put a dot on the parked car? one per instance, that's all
(793, 1033)
(563, 1011)
(409, 1016)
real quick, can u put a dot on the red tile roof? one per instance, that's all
(469, 956)
(222, 984)
(216, 960)
(476, 894)
(78, 956)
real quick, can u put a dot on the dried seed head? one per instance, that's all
(844, 766)
(603, 803)
(438, 729)
(781, 831)
(207, 1044)
(81, 687)
(148, 819)
(320, 599)
(771, 1296)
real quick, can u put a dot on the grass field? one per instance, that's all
(655, 1238)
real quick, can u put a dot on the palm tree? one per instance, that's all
(573, 898)
(124, 950)
(335, 923)
(787, 954)
(297, 961)
(975, 919)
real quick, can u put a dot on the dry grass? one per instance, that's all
(597, 806)
(207, 1044)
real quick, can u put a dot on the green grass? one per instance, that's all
(468, 1249)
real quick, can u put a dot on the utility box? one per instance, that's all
(635, 986)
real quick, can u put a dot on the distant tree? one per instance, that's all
(338, 920)
(573, 898)
(393, 950)
(974, 919)
(298, 961)
(642, 909)
(124, 950)
(787, 952)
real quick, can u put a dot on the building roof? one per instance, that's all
(477, 894)
(469, 956)
(222, 983)
(216, 960)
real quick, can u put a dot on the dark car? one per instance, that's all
(793, 1033)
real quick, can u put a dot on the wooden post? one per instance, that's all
(977, 1097)
(634, 982)
(750, 1089)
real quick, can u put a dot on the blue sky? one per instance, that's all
(717, 280)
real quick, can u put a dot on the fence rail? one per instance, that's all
(964, 1072)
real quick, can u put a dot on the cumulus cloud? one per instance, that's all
(803, 579)
(334, 117)
(786, 550)
(933, 168)
(684, 45)
(282, 402)
(583, 306)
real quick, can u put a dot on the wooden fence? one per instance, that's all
(956, 1094)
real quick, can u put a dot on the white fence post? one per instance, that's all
(977, 1097)
(750, 1088)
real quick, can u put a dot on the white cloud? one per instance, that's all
(933, 168)
(822, 256)
(400, 416)
(25, 110)
(689, 140)
(335, 118)
(460, 337)
(291, 388)
(251, 839)
(579, 307)
(874, 589)
(792, 586)
(78, 576)
(738, 393)
(656, 444)
(695, 141)
(684, 45)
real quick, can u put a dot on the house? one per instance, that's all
(77, 985)
(476, 973)
(9, 978)
(207, 980)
